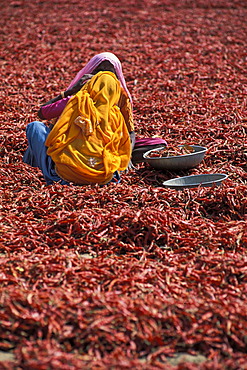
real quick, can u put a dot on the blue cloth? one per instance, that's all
(36, 155)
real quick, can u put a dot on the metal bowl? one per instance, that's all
(178, 162)
(137, 153)
(195, 180)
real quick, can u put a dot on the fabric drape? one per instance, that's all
(90, 140)
(95, 61)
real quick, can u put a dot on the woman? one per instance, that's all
(93, 136)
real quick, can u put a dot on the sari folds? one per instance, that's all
(90, 140)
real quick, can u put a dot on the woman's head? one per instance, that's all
(103, 60)
(104, 66)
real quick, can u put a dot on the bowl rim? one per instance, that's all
(203, 150)
(169, 182)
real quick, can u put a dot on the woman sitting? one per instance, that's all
(93, 136)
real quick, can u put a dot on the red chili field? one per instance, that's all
(133, 275)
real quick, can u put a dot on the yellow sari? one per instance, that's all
(90, 140)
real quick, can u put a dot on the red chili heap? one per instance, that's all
(129, 275)
(172, 151)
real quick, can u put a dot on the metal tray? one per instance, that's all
(195, 180)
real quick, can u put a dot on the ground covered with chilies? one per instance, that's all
(127, 276)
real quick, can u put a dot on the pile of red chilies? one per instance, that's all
(132, 275)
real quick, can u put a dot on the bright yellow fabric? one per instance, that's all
(90, 140)
(126, 110)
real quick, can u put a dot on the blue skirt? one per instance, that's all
(36, 155)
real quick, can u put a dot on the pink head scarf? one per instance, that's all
(95, 61)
